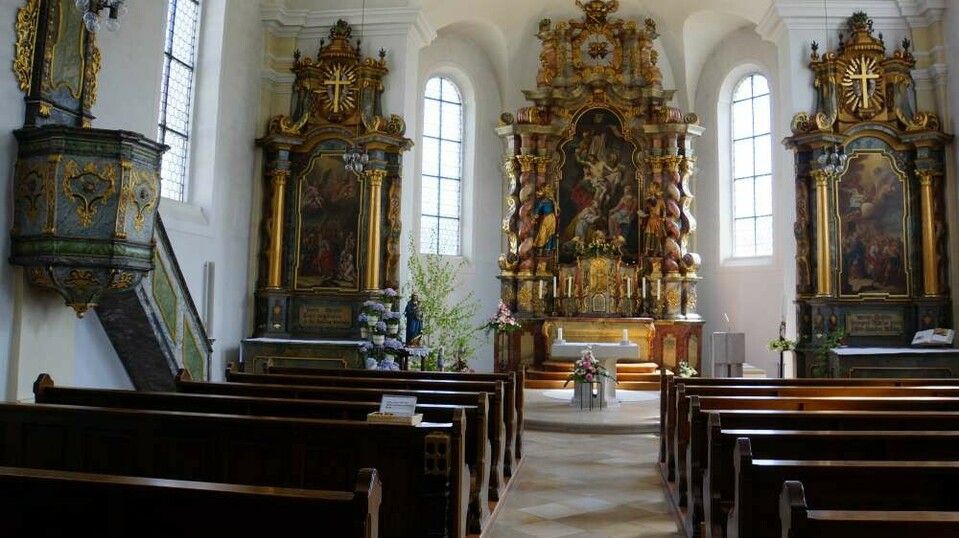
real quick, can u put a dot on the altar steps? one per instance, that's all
(630, 376)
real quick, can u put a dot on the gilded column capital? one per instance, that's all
(927, 176)
(526, 162)
(656, 163)
(542, 164)
(279, 177)
(672, 162)
(820, 176)
(375, 177)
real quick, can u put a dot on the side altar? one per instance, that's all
(598, 173)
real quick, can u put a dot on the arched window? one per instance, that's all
(179, 62)
(752, 207)
(442, 172)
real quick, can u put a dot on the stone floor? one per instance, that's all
(579, 485)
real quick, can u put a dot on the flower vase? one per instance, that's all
(377, 339)
(392, 328)
(371, 319)
(364, 332)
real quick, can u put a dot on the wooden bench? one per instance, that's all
(423, 469)
(852, 485)
(43, 502)
(718, 476)
(514, 382)
(797, 520)
(668, 385)
(700, 404)
(477, 440)
(684, 418)
(307, 392)
(876, 445)
(499, 396)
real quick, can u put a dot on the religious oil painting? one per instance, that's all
(328, 207)
(871, 205)
(598, 190)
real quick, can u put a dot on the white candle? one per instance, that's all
(644, 287)
(540, 289)
(554, 285)
(625, 335)
(658, 282)
(559, 334)
(569, 286)
(629, 288)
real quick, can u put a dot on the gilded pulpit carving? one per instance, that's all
(870, 232)
(598, 180)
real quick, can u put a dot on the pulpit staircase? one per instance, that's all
(155, 328)
(552, 374)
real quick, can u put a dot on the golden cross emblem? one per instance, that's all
(863, 76)
(338, 80)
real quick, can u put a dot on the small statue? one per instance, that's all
(414, 320)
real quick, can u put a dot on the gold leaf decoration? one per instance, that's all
(26, 28)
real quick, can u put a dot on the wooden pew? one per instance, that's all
(697, 456)
(797, 520)
(876, 445)
(477, 431)
(307, 392)
(684, 422)
(846, 485)
(514, 382)
(668, 385)
(497, 389)
(42, 502)
(718, 476)
(423, 469)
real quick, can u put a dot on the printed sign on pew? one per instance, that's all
(396, 410)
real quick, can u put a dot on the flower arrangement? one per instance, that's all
(781, 344)
(598, 247)
(379, 327)
(502, 321)
(588, 368)
(389, 293)
(365, 347)
(393, 346)
(374, 308)
(685, 370)
(392, 316)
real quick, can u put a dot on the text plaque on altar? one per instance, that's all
(875, 323)
(315, 317)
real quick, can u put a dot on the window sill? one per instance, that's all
(750, 262)
(185, 218)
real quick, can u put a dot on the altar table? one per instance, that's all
(894, 362)
(605, 352)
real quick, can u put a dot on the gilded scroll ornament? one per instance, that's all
(121, 280)
(28, 18)
(90, 74)
(88, 187)
(144, 195)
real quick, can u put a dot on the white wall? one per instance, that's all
(460, 59)
(750, 293)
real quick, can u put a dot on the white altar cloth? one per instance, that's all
(606, 352)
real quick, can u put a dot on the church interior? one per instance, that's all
(750, 199)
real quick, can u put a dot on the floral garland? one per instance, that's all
(597, 248)
(587, 368)
(502, 321)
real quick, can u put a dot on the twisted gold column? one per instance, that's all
(930, 275)
(372, 277)
(824, 261)
(274, 278)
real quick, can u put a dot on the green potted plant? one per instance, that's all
(820, 362)
(447, 323)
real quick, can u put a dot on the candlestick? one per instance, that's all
(559, 334)
(625, 335)
(569, 286)
(629, 288)
(658, 282)
(644, 287)
(554, 285)
(540, 289)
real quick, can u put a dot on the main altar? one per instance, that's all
(598, 194)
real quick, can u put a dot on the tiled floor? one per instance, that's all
(581, 485)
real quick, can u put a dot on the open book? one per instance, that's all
(934, 337)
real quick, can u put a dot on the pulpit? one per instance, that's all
(608, 354)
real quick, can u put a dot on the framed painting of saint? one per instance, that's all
(871, 205)
(598, 190)
(328, 209)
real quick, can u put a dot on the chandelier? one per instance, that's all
(356, 158)
(91, 13)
